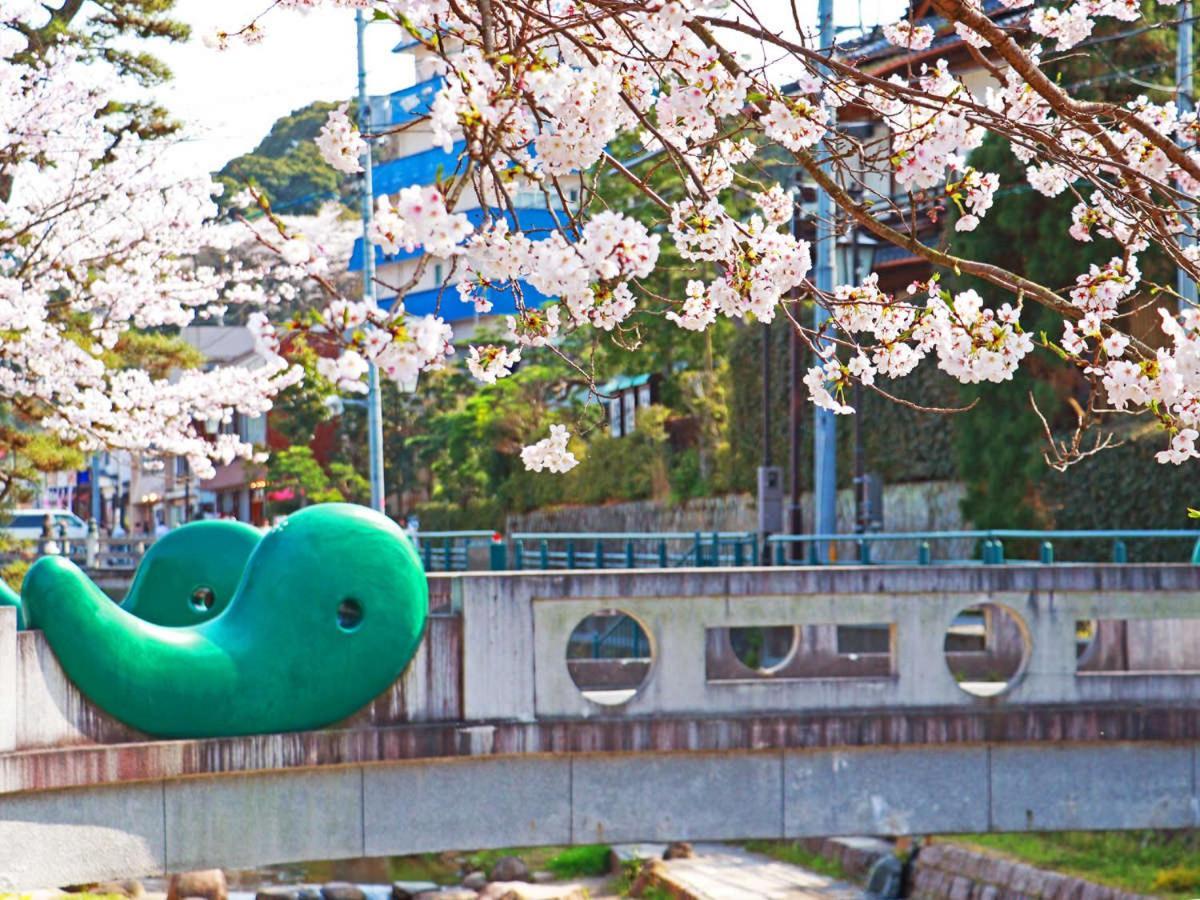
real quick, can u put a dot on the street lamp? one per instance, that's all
(855, 259)
(336, 404)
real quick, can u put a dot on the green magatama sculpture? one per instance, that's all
(328, 609)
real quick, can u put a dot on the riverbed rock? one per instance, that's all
(448, 894)
(307, 892)
(542, 877)
(509, 868)
(522, 890)
(342, 890)
(475, 881)
(650, 875)
(207, 883)
(408, 890)
(131, 888)
(277, 892)
(678, 850)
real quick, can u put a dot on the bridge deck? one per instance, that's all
(489, 740)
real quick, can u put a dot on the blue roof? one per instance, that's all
(419, 168)
(402, 107)
(536, 223)
(453, 309)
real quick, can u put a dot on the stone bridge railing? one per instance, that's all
(823, 700)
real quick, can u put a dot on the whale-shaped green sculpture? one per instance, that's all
(329, 611)
(189, 574)
(9, 597)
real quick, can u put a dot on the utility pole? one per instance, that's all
(374, 407)
(1185, 71)
(824, 427)
(795, 520)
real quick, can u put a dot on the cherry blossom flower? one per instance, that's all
(340, 143)
(551, 453)
(489, 362)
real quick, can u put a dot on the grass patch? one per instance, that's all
(580, 862)
(798, 855)
(1165, 863)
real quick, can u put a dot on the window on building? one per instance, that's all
(437, 273)
(253, 430)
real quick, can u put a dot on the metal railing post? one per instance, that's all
(1046, 553)
(499, 556)
(598, 555)
(864, 551)
(47, 546)
(1120, 554)
(571, 554)
(518, 555)
(92, 545)
(544, 554)
(924, 554)
(662, 554)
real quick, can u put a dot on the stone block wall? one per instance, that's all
(923, 506)
(951, 872)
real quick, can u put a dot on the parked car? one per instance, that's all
(26, 524)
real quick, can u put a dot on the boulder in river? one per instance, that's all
(678, 850)
(408, 890)
(520, 890)
(277, 892)
(509, 868)
(130, 888)
(475, 881)
(342, 890)
(207, 883)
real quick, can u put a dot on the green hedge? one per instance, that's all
(901, 444)
(1124, 487)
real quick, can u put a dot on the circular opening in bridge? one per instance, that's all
(349, 614)
(202, 599)
(986, 648)
(609, 657)
(764, 649)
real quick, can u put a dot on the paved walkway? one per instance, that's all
(722, 872)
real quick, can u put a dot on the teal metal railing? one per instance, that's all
(989, 547)
(631, 550)
(451, 551)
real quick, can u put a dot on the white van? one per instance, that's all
(26, 524)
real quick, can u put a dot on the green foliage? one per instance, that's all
(1177, 880)
(301, 407)
(297, 468)
(1123, 487)
(999, 444)
(1145, 862)
(157, 353)
(101, 31)
(441, 515)
(287, 166)
(900, 443)
(581, 862)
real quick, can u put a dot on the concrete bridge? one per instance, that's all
(575, 707)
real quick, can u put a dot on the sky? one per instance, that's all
(229, 99)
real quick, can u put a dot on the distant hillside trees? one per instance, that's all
(287, 166)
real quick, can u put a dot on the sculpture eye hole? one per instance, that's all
(349, 614)
(202, 599)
